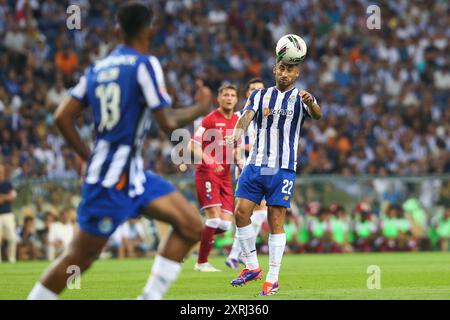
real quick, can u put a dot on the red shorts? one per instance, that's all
(214, 190)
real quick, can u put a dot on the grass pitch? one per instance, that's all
(325, 276)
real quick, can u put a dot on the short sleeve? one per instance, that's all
(151, 80)
(79, 92)
(253, 101)
(198, 134)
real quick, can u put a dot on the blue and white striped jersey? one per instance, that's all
(121, 89)
(279, 117)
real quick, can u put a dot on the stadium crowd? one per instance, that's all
(384, 93)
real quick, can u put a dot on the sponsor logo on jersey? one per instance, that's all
(280, 112)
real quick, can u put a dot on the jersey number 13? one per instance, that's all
(109, 96)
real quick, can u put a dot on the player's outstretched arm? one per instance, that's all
(171, 119)
(313, 107)
(65, 116)
(241, 126)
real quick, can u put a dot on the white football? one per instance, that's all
(291, 49)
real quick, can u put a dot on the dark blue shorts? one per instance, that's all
(102, 210)
(275, 185)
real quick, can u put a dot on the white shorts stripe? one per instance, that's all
(116, 167)
(137, 177)
(100, 153)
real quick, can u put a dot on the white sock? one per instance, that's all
(164, 273)
(247, 240)
(257, 228)
(277, 242)
(235, 249)
(259, 216)
(224, 225)
(39, 292)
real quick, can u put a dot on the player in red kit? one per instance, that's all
(213, 174)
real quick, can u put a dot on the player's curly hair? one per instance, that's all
(133, 17)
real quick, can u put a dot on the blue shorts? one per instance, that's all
(275, 185)
(102, 210)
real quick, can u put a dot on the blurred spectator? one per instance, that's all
(290, 228)
(7, 218)
(320, 232)
(60, 234)
(417, 216)
(301, 237)
(42, 234)
(365, 232)
(27, 248)
(341, 230)
(443, 231)
(56, 94)
(444, 194)
(134, 238)
(66, 61)
(114, 247)
(395, 231)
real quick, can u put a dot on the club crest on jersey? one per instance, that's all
(292, 100)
